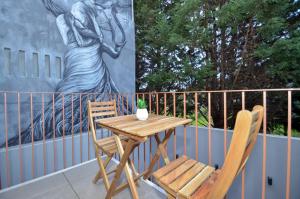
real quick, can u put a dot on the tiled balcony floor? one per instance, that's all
(75, 183)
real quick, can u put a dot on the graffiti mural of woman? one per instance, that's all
(85, 70)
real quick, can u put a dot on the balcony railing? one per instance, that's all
(213, 114)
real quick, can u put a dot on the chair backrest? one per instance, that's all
(98, 110)
(244, 136)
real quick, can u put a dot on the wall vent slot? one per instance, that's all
(7, 61)
(21, 63)
(47, 65)
(35, 65)
(58, 67)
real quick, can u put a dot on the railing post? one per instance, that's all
(225, 123)
(165, 104)
(63, 130)
(138, 148)
(6, 143)
(289, 134)
(20, 140)
(209, 129)
(44, 139)
(263, 193)
(243, 171)
(196, 120)
(88, 127)
(80, 125)
(54, 132)
(184, 128)
(157, 104)
(32, 137)
(174, 114)
(72, 115)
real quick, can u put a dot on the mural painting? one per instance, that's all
(89, 29)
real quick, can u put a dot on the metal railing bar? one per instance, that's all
(196, 121)
(177, 92)
(44, 139)
(174, 114)
(72, 128)
(209, 129)
(32, 137)
(63, 131)
(263, 192)
(8, 177)
(20, 140)
(88, 127)
(289, 135)
(225, 123)
(243, 171)
(184, 128)
(80, 126)
(54, 132)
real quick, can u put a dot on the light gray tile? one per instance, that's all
(144, 190)
(84, 171)
(77, 183)
(53, 187)
(81, 181)
(81, 178)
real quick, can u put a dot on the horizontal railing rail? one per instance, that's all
(57, 121)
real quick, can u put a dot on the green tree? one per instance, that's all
(218, 45)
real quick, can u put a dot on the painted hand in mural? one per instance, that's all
(85, 70)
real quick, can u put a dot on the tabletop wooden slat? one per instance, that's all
(173, 122)
(131, 120)
(148, 124)
(129, 124)
(137, 122)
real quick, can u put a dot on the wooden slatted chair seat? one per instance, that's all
(108, 144)
(186, 178)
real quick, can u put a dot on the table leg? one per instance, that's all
(161, 150)
(123, 164)
(135, 173)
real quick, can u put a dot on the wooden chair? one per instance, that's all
(106, 145)
(187, 178)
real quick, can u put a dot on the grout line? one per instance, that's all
(46, 176)
(148, 182)
(71, 185)
(69, 168)
(155, 186)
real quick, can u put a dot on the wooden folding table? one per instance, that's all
(137, 132)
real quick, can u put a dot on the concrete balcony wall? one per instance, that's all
(275, 159)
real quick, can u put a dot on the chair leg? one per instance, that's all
(97, 177)
(99, 174)
(123, 165)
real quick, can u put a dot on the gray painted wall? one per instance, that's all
(275, 168)
(28, 27)
(32, 57)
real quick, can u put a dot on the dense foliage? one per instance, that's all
(219, 45)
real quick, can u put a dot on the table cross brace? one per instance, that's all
(161, 150)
